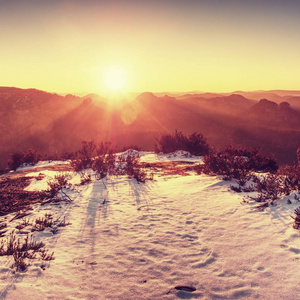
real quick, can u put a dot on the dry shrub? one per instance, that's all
(56, 186)
(194, 143)
(104, 164)
(17, 159)
(269, 188)
(48, 222)
(297, 218)
(238, 163)
(291, 177)
(22, 251)
(102, 160)
(84, 158)
(129, 163)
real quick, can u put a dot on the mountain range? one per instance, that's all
(54, 124)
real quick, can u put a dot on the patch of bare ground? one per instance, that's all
(13, 197)
(59, 168)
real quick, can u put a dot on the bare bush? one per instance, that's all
(291, 177)
(105, 163)
(57, 185)
(139, 175)
(48, 222)
(131, 160)
(297, 218)
(100, 167)
(194, 143)
(237, 163)
(21, 251)
(17, 159)
(85, 158)
(269, 188)
(42, 223)
(25, 223)
(87, 152)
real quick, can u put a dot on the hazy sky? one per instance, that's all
(165, 45)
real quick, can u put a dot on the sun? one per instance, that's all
(114, 79)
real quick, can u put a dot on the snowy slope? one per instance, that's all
(140, 241)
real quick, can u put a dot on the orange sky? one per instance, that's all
(218, 46)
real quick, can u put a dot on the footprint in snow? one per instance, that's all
(183, 288)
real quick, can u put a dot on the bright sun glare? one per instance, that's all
(114, 79)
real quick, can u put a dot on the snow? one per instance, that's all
(150, 157)
(139, 241)
(180, 155)
(43, 164)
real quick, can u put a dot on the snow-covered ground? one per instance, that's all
(175, 156)
(43, 164)
(140, 241)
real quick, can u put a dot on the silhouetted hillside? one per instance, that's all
(26, 118)
(272, 114)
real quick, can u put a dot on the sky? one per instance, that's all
(69, 46)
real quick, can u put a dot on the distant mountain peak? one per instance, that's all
(269, 111)
(148, 97)
(146, 94)
(284, 105)
(266, 104)
(237, 96)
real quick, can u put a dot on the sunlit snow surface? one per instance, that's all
(139, 241)
(43, 164)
